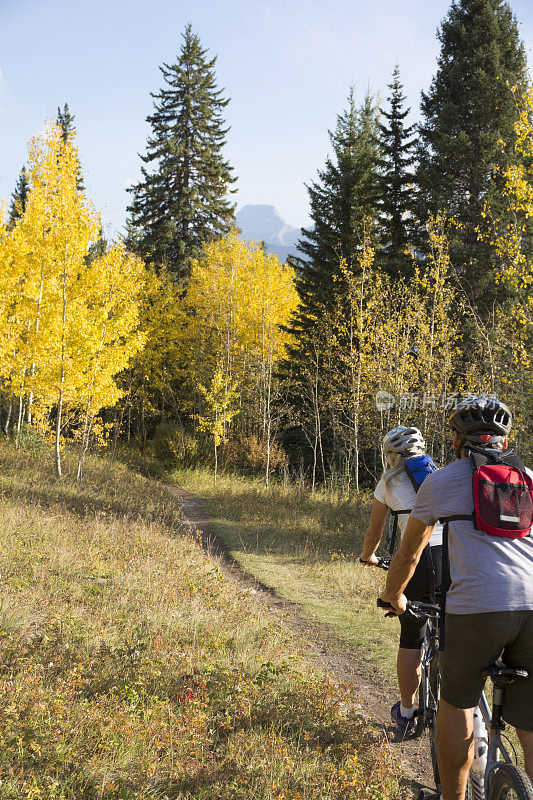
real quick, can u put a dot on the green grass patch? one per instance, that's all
(304, 546)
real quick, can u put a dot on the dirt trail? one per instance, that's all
(335, 656)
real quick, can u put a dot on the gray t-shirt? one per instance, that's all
(488, 573)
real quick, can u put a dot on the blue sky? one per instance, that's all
(286, 64)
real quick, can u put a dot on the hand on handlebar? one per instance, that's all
(395, 605)
(383, 562)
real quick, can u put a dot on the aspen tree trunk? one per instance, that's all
(87, 425)
(358, 379)
(62, 379)
(37, 321)
(89, 417)
(268, 418)
(432, 333)
(143, 423)
(318, 422)
(7, 420)
(20, 414)
(215, 444)
(315, 445)
(21, 398)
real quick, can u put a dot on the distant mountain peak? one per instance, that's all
(264, 223)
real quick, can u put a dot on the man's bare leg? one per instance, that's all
(409, 671)
(455, 750)
(526, 740)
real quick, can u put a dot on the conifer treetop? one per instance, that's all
(181, 200)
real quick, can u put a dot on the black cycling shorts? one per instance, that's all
(428, 571)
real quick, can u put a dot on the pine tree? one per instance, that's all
(396, 182)
(65, 120)
(182, 200)
(467, 114)
(19, 198)
(347, 191)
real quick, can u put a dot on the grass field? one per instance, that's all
(130, 667)
(305, 546)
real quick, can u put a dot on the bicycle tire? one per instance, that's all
(509, 782)
(434, 685)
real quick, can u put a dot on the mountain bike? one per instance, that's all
(429, 689)
(502, 778)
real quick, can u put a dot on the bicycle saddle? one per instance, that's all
(501, 674)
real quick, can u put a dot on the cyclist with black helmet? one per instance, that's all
(395, 492)
(489, 602)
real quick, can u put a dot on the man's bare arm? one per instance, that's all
(417, 535)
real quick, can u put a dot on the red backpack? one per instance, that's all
(503, 493)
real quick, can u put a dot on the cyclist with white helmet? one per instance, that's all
(489, 602)
(395, 492)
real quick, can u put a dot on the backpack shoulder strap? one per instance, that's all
(410, 475)
(478, 457)
(446, 577)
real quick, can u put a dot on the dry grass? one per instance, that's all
(131, 668)
(305, 546)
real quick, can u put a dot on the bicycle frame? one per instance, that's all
(429, 652)
(495, 741)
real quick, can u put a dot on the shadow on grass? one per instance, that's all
(115, 495)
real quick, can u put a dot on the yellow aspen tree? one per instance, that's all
(238, 299)
(435, 330)
(11, 322)
(220, 399)
(49, 241)
(78, 316)
(355, 333)
(113, 286)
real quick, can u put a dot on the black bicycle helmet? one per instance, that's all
(482, 421)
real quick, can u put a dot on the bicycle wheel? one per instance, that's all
(434, 697)
(475, 787)
(509, 782)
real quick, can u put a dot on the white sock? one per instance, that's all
(407, 713)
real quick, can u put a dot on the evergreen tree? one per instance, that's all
(396, 182)
(182, 200)
(345, 195)
(19, 198)
(467, 114)
(66, 122)
(346, 192)
(100, 247)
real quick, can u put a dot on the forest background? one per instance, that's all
(412, 287)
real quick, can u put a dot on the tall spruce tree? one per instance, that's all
(66, 122)
(467, 113)
(182, 199)
(19, 198)
(397, 182)
(347, 190)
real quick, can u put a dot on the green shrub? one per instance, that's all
(174, 446)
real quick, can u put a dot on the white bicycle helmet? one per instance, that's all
(403, 441)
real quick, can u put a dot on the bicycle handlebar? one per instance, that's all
(413, 606)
